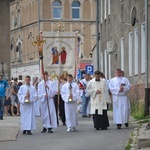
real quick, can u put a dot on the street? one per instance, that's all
(84, 138)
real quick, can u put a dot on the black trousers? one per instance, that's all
(60, 108)
(100, 121)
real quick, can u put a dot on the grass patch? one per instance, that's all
(137, 109)
(128, 147)
(145, 121)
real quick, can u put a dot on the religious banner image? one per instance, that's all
(59, 54)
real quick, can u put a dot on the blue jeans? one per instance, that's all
(85, 101)
(2, 100)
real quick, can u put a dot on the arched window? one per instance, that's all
(20, 77)
(57, 10)
(75, 10)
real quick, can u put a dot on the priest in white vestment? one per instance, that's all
(70, 95)
(99, 97)
(119, 87)
(27, 95)
(46, 92)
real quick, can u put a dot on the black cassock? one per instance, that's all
(100, 121)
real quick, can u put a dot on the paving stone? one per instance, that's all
(8, 133)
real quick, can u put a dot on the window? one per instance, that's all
(136, 51)
(105, 9)
(75, 10)
(18, 17)
(102, 62)
(130, 54)
(122, 53)
(57, 10)
(12, 48)
(101, 11)
(106, 60)
(12, 21)
(143, 48)
(109, 67)
(108, 7)
(19, 48)
(20, 77)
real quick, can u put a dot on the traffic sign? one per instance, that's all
(79, 74)
(89, 69)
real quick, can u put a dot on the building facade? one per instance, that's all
(4, 39)
(122, 28)
(29, 17)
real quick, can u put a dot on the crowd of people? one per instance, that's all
(64, 98)
(9, 103)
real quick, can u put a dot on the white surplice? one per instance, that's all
(70, 107)
(121, 103)
(27, 109)
(98, 101)
(48, 112)
(37, 107)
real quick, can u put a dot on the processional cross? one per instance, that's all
(39, 43)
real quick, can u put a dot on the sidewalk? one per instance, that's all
(140, 137)
(9, 128)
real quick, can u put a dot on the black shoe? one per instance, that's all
(89, 116)
(29, 132)
(64, 124)
(44, 130)
(50, 130)
(126, 124)
(118, 126)
(1, 118)
(97, 128)
(24, 132)
(84, 116)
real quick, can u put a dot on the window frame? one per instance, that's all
(56, 8)
(75, 8)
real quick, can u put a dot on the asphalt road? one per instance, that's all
(84, 138)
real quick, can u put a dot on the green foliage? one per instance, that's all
(128, 147)
(137, 109)
(146, 120)
(110, 108)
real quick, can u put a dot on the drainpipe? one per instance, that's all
(38, 16)
(146, 107)
(98, 33)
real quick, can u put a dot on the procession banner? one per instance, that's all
(59, 53)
